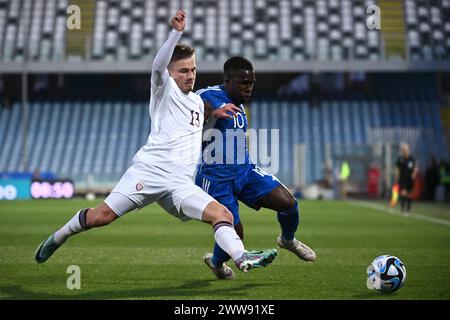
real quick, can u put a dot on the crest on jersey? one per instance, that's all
(139, 186)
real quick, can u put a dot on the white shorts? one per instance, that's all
(141, 185)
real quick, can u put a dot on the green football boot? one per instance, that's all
(256, 259)
(46, 249)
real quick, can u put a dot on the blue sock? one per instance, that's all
(219, 256)
(289, 221)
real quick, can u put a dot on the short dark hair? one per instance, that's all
(181, 52)
(236, 63)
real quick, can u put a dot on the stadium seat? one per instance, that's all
(426, 32)
(320, 24)
(341, 124)
(216, 23)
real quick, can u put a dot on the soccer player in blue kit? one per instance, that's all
(231, 176)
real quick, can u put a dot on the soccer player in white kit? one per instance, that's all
(163, 169)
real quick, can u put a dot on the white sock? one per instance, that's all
(72, 227)
(227, 238)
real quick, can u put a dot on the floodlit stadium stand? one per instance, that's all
(92, 140)
(56, 117)
(428, 27)
(286, 30)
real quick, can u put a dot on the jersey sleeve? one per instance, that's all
(162, 59)
(213, 98)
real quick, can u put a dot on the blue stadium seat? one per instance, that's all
(15, 141)
(96, 140)
(71, 140)
(365, 119)
(5, 115)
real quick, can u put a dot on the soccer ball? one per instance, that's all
(386, 273)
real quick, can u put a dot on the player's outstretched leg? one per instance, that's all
(226, 237)
(289, 221)
(255, 259)
(222, 272)
(217, 261)
(100, 216)
(75, 225)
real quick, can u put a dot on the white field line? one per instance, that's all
(396, 212)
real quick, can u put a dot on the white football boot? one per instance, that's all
(301, 250)
(223, 272)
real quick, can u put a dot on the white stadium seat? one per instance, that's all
(219, 27)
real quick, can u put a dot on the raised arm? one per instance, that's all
(162, 59)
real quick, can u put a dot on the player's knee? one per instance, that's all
(100, 216)
(288, 202)
(216, 212)
(293, 209)
(226, 215)
(280, 199)
(223, 215)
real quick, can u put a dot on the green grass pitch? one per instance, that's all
(151, 255)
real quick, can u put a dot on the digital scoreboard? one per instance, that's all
(52, 189)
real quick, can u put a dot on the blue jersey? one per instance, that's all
(225, 151)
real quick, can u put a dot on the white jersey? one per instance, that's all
(174, 143)
(163, 169)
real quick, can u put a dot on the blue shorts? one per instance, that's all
(249, 187)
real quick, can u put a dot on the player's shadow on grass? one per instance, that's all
(194, 288)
